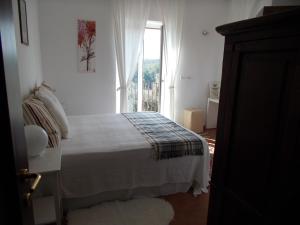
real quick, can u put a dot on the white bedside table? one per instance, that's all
(48, 209)
(212, 113)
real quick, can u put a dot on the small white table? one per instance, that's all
(212, 113)
(48, 209)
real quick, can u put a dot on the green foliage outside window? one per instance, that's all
(151, 87)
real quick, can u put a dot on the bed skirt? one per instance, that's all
(167, 189)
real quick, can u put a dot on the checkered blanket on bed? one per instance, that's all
(167, 138)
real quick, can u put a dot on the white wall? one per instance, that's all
(29, 57)
(245, 9)
(201, 57)
(286, 2)
(95, 93)
(80, 93)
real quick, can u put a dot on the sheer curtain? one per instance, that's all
(130, 17)
(172, 14)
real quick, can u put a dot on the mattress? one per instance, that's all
(107, 153)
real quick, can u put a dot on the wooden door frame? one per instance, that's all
(13, 143)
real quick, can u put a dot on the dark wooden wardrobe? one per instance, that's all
(256, 164)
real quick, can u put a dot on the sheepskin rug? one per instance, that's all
(145, 211)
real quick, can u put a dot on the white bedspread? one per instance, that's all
(106, 153)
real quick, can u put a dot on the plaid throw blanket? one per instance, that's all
(168, 139)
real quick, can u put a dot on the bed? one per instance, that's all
(106, 158)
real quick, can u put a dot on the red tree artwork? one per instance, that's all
(86, 45)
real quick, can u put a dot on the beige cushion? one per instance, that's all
(55, 108)
(36, 113)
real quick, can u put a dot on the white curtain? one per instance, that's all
(130, 17)
(172, 14)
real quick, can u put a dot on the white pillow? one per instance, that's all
(55, 108)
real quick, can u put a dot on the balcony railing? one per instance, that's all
(150, 97)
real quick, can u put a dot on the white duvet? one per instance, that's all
(107, 153)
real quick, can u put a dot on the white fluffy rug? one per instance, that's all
(147, 211)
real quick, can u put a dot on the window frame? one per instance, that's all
(155, 25)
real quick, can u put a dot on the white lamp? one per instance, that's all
(36, 139)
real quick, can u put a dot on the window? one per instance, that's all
(144, 93)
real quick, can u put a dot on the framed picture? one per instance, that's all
(23, 22)
(86, 46)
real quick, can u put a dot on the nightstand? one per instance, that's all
(194, 119)
(48, 209)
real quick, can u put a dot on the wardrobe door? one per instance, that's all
(255, 111)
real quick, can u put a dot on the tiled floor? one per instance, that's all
(190, 210)
(210, 136)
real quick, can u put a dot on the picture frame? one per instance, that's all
(86, 46)
(23, 22)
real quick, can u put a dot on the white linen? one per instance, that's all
(124, 195)
(107, 153)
